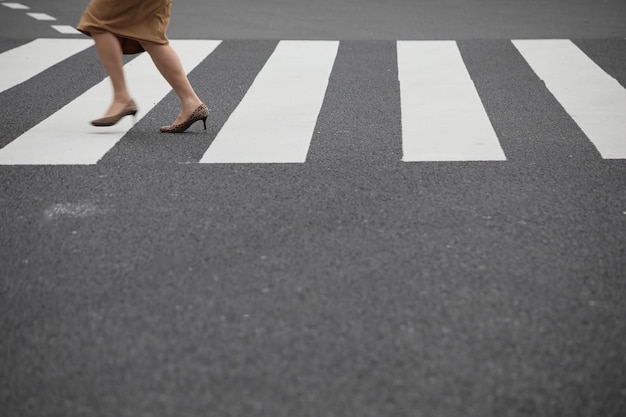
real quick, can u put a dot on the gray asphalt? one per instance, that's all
(351, 285)
(368, 19)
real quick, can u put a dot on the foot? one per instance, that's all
(200, 113)
(118, 106)
(129, 109)
(187, 111)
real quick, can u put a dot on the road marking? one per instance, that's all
(594, 99)
(66, 29)
(24, 62)
(66, 138)
(443, 118)
(275, 120)
(16, 6)
(41, 16)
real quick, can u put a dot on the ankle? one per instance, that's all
(191, 104)
(122, 99)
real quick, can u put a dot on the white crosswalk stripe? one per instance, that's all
(595, 100)
(275, 121)
(442, 116)
(26, 61)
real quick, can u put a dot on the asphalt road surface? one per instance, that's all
(360, 281)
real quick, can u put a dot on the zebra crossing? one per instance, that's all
(442, 115)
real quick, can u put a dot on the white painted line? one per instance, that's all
(67, 138)
(275, 120)
(594, 99)
(21, 63)
(443, 118)
(16, 6)
(41, 16)
(66, 29)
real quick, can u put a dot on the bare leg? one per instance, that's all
(110, 53)
(168, 63)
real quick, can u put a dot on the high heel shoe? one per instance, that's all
(129, 110)
(200, 113)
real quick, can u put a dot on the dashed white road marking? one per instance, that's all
(66, 29)
(41, 16)
(16, 6)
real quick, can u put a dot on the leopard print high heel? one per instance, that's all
(129, 110)
(200, 113)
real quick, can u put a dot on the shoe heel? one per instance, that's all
(204, 122)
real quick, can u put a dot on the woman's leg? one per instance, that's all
(168, 63)
(110, 53)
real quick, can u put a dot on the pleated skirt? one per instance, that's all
(129, 20)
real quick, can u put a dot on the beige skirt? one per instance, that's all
(130, 20)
